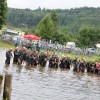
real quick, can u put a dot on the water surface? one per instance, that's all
(40, 83)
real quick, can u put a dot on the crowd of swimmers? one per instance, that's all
(34, 58)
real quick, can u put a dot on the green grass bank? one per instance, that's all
(72, 56)
(6, 45)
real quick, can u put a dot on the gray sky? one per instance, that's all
(52, 4)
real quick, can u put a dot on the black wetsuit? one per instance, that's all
(56, 62)
(27, 59)
(43, 60)
(53, 62)
(75, 65)
(88, 67)
(31, 60)
(24, 56)
(62, 64)
(82, 67)
(67, 63)
(93, 66)
(8, 57)
(20, 57)
(15, 59)
(35, 59)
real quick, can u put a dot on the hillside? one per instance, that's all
(71, 19)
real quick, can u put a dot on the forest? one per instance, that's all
(72, 19)
(60, 25)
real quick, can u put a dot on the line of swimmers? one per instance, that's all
(34, 58)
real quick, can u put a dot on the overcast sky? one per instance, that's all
(52, 4)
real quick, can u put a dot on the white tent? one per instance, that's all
(98, 45)
(70, 45)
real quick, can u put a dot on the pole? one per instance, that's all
(7, 87)
(1, 78)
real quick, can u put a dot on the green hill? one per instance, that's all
(70, 19)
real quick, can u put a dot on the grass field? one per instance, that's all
(6, 45)
(7, 27)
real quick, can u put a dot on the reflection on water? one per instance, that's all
(43, 83)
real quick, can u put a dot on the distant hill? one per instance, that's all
(71, 19)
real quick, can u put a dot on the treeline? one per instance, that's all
(71, 19)
(3, 10)
(59, 25)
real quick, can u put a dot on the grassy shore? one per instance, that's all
(6, 45)
(72, 56)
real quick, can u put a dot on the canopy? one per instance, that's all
(32, 37)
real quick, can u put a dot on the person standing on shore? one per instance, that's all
(16, 43)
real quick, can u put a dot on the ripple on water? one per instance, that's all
(51, 84)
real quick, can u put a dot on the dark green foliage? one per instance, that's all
(26, 16)
(55, 20)
(61, 37)
(73, 19)
(3, 10)
(89, 36)
(45, 28)
(48, 28)
(58, 25)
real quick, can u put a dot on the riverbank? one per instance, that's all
(6, 45)
(87, 58)
(72, 56)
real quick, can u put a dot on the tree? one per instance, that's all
(39, 9)
(72, 19)
(63, 38)
(89, 36)
(3, 10)
(55, 20)
(45, 28)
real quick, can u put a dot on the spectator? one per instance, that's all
(16, 43)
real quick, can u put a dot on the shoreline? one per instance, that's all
(7, 45)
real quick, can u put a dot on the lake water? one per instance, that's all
(40, 83)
